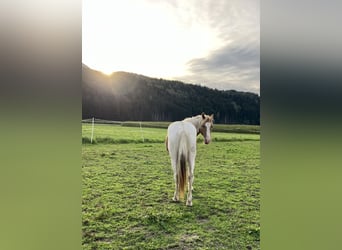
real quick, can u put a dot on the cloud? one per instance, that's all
(230, 67)
(236, 63)
(209, 42)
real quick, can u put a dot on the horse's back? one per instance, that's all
(179, 127)
(181, 130)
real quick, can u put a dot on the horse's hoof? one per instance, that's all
(175, 199)
(189, 203)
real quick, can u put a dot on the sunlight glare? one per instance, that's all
(142, 37)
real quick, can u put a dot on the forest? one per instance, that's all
(124, 96)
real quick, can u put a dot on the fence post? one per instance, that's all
(92, 131)
(142, 133)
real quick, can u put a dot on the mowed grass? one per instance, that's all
(128, 189)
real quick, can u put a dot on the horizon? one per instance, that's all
(166, 79)
(216, 45)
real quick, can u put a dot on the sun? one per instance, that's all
(145, 38)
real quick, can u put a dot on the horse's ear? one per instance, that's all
(212, 116)
(203, 115)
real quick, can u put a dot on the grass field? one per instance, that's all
(109, 133)
(128, 187)
(229, 128)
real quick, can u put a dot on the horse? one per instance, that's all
(181, 144)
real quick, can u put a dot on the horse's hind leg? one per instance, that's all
(190, 179)
(176, 194)
(192, 184)
(175, 178)
(189, 197)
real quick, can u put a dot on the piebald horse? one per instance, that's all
(181, 145)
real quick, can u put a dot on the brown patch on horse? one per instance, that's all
(206, 118)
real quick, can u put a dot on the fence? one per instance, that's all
(94, 121)
(101, 129)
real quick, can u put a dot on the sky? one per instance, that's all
(214, 43)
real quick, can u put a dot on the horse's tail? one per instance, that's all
(182, 158)
(166, 143)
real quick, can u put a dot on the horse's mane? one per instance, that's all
(195, 120)
(198, 119)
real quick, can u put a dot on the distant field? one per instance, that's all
(113, 133)
(231, 128)
(128, 187)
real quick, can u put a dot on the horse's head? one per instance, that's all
(206, 127)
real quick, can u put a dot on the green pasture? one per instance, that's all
(228, 128)
(128, 188)
(112, 133)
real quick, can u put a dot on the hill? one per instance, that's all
(126, 96)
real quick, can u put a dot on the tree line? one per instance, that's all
(126, 96)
